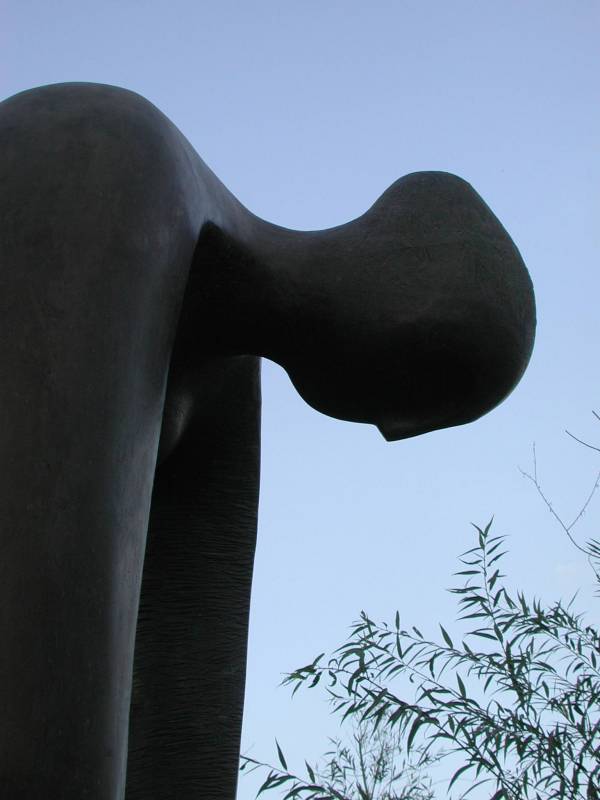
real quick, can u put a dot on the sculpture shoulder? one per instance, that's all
(83, 107)
(85, 163)
(99, 133)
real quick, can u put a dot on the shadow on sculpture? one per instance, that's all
(136, 297)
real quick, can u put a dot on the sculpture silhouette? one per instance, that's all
(136, 297)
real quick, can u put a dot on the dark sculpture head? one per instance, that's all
(432, 316)
(418, 315)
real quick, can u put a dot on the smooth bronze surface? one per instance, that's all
(136, 297)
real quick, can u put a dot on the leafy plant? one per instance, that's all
(516, 700)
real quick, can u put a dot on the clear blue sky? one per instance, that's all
(307, 111)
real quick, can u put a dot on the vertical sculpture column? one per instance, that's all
(192, 634)
(97, 237)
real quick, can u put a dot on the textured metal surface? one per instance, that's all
(190, 654)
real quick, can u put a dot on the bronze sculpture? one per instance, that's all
(137, 297)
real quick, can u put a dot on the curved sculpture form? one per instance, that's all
(136, 297)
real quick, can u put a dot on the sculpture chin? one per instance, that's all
(395, 430)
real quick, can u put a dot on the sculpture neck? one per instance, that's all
(245, 293)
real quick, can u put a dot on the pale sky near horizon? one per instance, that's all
(308, 112)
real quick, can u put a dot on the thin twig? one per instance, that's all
(585, 444)
(567, 528)
(587, 502)
(552, 511)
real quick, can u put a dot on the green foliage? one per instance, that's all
(518, 699)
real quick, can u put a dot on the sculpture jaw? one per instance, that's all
(417, 389)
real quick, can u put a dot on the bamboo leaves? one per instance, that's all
(523, 712)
